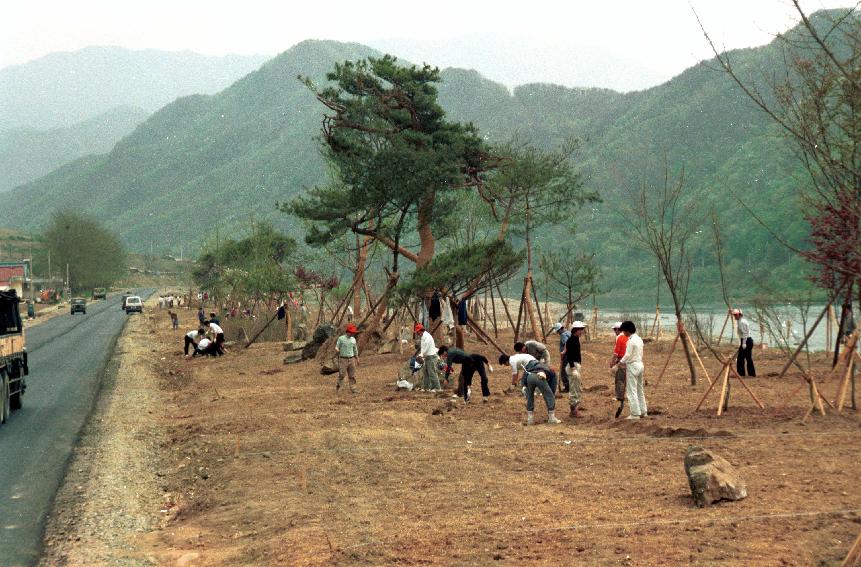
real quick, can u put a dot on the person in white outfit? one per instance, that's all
(633, 363)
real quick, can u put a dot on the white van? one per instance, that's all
(133, 304)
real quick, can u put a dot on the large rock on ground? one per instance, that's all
(321, 334)
(712, 478)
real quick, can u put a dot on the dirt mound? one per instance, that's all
(658, 431)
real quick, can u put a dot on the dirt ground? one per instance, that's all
(264, 464)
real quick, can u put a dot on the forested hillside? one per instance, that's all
(207, 164)
(27, 154)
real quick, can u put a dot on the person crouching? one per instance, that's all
(191, 339)
(469, 365)
(206, 347)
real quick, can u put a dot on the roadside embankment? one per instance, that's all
(111, 493)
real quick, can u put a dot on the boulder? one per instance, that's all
(388, 347)
(293, 356)
(294, 345)
(712, 478)
(321, 334)
(330, 367)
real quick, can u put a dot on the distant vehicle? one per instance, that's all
(79, 305)
(100, 293)
(13, 355)
(133, 304)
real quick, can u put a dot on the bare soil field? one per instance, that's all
(263, 463)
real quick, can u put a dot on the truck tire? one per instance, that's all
(4, 397)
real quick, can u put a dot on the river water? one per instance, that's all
(781, 325)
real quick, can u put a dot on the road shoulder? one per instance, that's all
(111, 496)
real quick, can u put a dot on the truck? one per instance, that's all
(99, 293)
(13, 355)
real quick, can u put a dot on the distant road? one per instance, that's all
(67, 355)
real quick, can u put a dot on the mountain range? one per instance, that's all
(213, 164)
(513, 61)
(64, 88)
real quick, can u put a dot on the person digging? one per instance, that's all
(573, 360)
(470, 363)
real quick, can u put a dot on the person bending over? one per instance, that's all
(469, 365)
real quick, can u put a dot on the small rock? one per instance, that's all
(712, 478)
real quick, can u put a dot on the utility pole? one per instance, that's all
(68, 289)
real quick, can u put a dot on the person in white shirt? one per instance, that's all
(745, 348)
(535, 377)
(518, 363)
(633, 363)
(217, 332)
(429, 359)
(191, 339)
(205, 347)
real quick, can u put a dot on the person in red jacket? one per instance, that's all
(618, 353)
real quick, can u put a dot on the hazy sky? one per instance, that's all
(662, 34)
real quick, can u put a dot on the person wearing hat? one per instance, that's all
(618, 353)
(348, 357)
(634, 369)
(564, 335)
(573, 361)
(745, 349)
(428, 358)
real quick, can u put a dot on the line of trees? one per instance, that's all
(95, 256)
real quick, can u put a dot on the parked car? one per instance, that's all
(79, 305)
(133, 304)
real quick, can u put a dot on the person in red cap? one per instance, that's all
(348, 357)
(429, 357)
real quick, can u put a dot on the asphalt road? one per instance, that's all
(67, 356)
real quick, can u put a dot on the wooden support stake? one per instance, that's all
(844, 385)
(667, 363)
(519, 314)
(803, 342)
(712, 385)
(484, 335)
(853, 558)
(723, 327)
(723, 391)
(505, 307)
(697, 355)
(493, 310)
(654, 330)
(817, 397)
(540, 317)
(746, 387)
